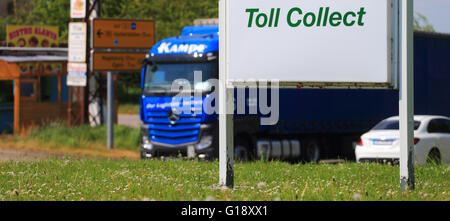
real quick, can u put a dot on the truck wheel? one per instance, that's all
(143, 157)
(434, 157)
(242, 151)
(311, 152)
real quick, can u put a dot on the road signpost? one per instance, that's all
(77, 74)
(78, 8)
(78, 57)
(118, 61)
(123, 33)
(119, 45)
(332, 44)
(77, 42)
(109, 62)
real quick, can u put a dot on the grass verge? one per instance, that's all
(71, 179)
(79, 141)
(126, 138)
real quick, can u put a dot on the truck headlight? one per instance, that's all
(146, 142)
(205, 142)
(145, 139)
(148, 146)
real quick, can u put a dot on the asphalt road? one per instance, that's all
(129, 120)
(23, 155)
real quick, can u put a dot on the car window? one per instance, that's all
(438, 126)
(447, 126)
(393, 125)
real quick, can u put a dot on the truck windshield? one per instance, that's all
(393, 125)
(161, 76)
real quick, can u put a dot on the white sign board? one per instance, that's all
(77, 42)
(76, 75)
(77, 8)
(324, 41)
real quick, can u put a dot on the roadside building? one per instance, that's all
(33, 87)
(34, 91)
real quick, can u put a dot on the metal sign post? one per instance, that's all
(406, 98)
(119, 45)
(226, 137)
(226, 108)
(110, 110)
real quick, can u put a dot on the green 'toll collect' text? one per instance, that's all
(296, 17)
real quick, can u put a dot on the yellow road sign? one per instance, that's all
(122, 33)
(118, 61)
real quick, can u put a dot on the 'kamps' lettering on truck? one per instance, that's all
(170, 48)
(296, 17)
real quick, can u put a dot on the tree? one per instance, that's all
(170, 15)
(421, 23)
(41, 12)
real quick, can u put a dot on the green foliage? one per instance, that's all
(129, 108)
(170, 15)
(421, 23)
(80, 137)
(128, 88)
(41, 12)
(128, 94)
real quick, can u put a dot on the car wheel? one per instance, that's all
(434, 157)
(311, 152)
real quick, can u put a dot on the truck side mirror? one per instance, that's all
(144, 68)
(144, 63)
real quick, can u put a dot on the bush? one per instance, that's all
(85, 136)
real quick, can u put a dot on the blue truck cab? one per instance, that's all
(166, 131)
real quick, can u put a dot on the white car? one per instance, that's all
(431, 139)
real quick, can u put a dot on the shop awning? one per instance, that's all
(42, 58)
(8, 71)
